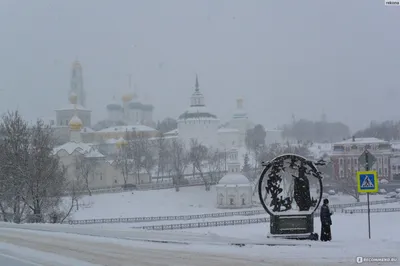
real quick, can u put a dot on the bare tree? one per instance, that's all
(74, 189)
(162, 155)
(215, 165)
(349, 186)
(85, 169)
(123, 160)
(14, 157)
(45, 178)
(137, 147)
(32, 180)
(149, 157)
(198, 154)
(179, 162)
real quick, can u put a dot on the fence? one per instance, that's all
(210, 215)
(243, 221)
(371, 210)
(192, 181)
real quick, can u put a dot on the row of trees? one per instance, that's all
(320, 131)
(32, 182)
(168, 158)
(387, 130)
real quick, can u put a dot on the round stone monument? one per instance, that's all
(285, 194)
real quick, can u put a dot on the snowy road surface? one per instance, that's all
(117, 252)
(15, 261)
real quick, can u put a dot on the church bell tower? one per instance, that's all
(77, 83)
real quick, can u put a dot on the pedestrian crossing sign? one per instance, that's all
(367, 182)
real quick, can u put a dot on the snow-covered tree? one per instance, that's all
(85, 169)
(246, 169)
(33, 182)
(123, 159)
(179, 162)
(197, 156)
(162, 148)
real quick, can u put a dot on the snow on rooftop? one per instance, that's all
(227, 130)
(87, 130)
(111, 141)
(318, 150)
(362, 141)
(172, 132)
(72, 146)
(233, 179)
(73, 107)
(94, 154)
(120, 129)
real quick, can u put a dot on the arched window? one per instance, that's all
(231, 201)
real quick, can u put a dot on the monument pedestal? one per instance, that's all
(293, 226)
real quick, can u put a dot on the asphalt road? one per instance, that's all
(8, 260)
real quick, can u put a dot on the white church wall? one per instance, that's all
(234, 197)
(205, 131)
(115, 115)
(228, 139)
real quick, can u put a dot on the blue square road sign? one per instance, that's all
(367, 182)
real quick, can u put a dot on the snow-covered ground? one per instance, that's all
(210, 246)
(189, 200)
(350, 237)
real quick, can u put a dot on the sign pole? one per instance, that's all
(369, 211)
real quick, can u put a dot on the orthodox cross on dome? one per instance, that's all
(197, 87)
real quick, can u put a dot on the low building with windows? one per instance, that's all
(234, 190)
(345, 156)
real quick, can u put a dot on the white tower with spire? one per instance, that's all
(197, 122)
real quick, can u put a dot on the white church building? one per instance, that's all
(234, 190)
(198, 123)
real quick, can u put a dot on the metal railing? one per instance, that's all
(371, 210)
(243, 221)
(334, 207)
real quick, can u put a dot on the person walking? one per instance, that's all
(326, 222)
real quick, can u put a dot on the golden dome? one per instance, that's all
(120, 142)
(75, 123)
(73, 98)
(127, 97)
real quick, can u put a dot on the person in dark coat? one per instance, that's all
(326, 221)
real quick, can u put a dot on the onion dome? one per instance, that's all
(75, 123)
(114, 105)
(128, 97)
(121, 142)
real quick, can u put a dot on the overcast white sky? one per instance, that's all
(283, 57)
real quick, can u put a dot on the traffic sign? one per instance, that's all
(367, 158)
(367, 182)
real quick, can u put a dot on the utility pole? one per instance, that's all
(369, 211)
